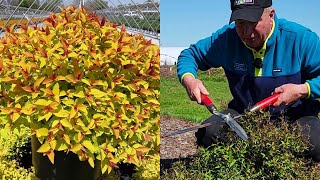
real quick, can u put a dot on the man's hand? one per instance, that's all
(194, 88)
(290, 93)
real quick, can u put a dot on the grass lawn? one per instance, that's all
(176, 103)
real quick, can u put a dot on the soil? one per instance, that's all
(179, 147)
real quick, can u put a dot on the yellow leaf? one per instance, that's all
(60, 78)
(43, 61)
(54, 123)
(66, 123)
(44, 148)
(109, 169)
(82, 108)
(133, 95)
(97, 93)
(116, 133)
(154, 101)
(131, 133)
(76, 148)
(145, 91)
(123, 144)
(111, 148)
(27, 110)
(102, 155)
(47, 116)
(91, 162)
(104, 166)
(131, 159)
(34, 95)
(42, 102)
(7, 79)
(143, 149)
(119, 94)
(83, 46)
(123, 155)
(85, 81)
(38, 82)
(53, 144)
(42, 132)
(91, 124)
(66, 138)
(51, 156)
(73, 54)
(61, 146)
(5, 111)
(62, 113)
(47, 91)
(70, 78)
(79, 136)
(79, 94)
(14, 116)
(62, 93)
(89, 146)
(83, 17)
(72, 113)
(80, 123)
(68, 102)
(56, 92)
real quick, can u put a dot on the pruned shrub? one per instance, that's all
(275, 150)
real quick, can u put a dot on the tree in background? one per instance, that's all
(96, 4)
(25, 3)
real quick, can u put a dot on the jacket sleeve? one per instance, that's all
(310, 56)
(203, 55)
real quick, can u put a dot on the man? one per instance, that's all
(260, 55)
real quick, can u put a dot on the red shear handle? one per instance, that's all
(265, 102)
(206, 100)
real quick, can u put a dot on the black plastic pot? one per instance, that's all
(65, 167)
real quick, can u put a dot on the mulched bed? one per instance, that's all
(180, 147)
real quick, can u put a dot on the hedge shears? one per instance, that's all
(227, 117)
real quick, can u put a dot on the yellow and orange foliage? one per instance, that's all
(84, 86)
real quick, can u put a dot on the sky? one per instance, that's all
(185, 22)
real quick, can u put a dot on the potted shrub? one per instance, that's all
(85, 88)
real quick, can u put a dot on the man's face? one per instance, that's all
(254, 34)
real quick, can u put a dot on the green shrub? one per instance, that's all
(10, 170)
(274, 150)
(13, 143)
(149, 170)
(12, 146)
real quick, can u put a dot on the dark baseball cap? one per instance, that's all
(250, 10)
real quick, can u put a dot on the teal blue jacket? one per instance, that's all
(291, 55)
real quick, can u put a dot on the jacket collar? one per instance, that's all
(275, 32)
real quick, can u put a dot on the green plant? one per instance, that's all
(149, 170)
(274, 150)
(12, 142)
(83, 86)
(11, 145)
(10, 170)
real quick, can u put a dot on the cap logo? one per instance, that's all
(240, 2)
